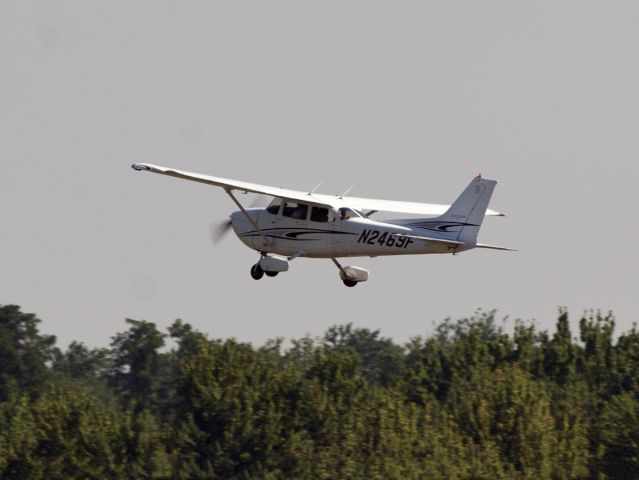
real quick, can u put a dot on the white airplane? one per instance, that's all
(308, 224)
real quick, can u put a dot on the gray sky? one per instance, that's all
(406, 99)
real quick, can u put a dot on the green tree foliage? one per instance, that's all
(620, 434)
(560, 353)
(381, 360)
(80, 363)
(469, 402)
(23, 352)
(137, 362)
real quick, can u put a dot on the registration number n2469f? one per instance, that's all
(375, 237)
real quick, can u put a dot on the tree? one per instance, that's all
(137, 362)
(230, 410)
(559, 353)
(80, 363)
(598, 361)
(620, 435)
(381, 360)
(627, 361)
(469, 401)
(24, 352)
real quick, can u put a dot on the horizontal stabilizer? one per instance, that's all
(495, 247)
(439, 241)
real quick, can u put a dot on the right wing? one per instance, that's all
(333, 201)
(226, 183)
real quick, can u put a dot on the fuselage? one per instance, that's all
(329, 236)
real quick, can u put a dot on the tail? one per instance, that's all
(465, 215)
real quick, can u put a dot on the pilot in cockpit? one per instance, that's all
(346, 213)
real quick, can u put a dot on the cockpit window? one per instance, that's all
(274, 206)
(345, 213)
(319, 214)
(295, 210)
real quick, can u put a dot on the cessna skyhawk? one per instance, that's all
(308, 224)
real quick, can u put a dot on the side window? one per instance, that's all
(295, 210)
(274, 207)
(319, 214)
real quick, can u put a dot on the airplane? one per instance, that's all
(308, 224)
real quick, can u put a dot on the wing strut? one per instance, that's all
(338, 265)
(249, 218)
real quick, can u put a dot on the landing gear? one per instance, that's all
(274, 266)
(351, 276)
(257, 272)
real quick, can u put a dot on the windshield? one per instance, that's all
(346, 213)
(274, 206)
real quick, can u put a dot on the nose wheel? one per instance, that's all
(258, 272)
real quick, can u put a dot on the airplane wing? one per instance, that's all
(333, 201)
(231, 185)
(395, 206)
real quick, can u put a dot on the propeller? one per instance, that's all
(219, 230)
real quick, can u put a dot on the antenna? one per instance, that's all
(315, 188)
(347, 190)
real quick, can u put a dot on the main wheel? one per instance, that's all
(271, 274)
(257, 272)
(350, 283)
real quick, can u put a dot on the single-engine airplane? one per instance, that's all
(308, 224)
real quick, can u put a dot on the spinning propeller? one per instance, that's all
(219, 230)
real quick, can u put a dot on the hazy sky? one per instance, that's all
(408, 100)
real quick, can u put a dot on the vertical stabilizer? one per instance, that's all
(465, 215)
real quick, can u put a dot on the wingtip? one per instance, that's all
(148, 168)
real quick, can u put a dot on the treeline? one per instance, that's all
(468, 402)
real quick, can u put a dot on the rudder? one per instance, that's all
(469, 209)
